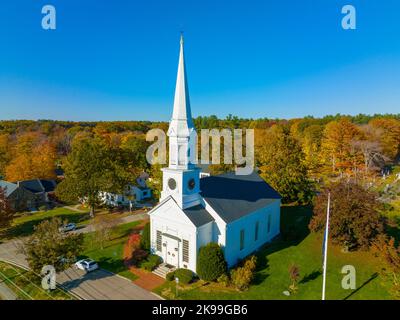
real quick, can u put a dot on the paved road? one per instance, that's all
(97, 285)
(6, 293)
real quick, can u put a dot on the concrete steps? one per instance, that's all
(163, 269)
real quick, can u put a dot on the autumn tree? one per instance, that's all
(49, 246)
(6, 212)
(336, 145)
(389, 256)
(354, 217)
(390, 137)
(5, 153)
(311, 145)
(281, 161)
(33, 157)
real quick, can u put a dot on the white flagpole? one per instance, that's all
(326, 246)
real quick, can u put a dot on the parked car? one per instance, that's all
(87, 265)
(67, 227)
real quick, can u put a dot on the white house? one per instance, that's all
(132, 193)
(241, 213)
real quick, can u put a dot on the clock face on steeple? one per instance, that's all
(191, 184)
(171, 183)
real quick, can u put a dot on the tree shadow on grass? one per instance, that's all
(373, 276)
(311, 276)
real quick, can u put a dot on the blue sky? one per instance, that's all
(117, 60)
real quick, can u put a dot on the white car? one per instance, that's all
(68, 227)
(87, 265)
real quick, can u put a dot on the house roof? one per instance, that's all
(48, 185)
(8, 186)
(38, 186)
(234, 196)
(32, 185)
(198, 215)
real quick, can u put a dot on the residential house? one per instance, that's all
(28, 194)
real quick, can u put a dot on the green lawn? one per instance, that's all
(306, 251)
(27, 286)
(111, 256)
(24, 223)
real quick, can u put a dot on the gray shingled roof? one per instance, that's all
(198, 215)
(8, 186)
(234, 196)
(33, 185)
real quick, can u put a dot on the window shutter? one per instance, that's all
(185, 251)
(159, 241)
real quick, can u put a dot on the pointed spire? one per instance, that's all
(181, 123)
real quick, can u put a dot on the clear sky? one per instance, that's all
(117, 60)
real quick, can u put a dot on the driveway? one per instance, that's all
(96, 285)
(123, 220)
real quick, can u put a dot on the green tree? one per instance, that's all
(354, 217)
(49, 246)
(281, 161)
(90, 168)
(210, 262)
(145, 238)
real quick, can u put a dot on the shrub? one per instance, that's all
(223, 280)
(241, 278)
(170, 276)
(211, 262)
(243, 275)
(138, 256)
(294, 275)
(151, 262)
(184, 275)
(145, 239)
(251, 263)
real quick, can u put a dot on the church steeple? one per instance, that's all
(181, 123)
(181, 177)
(181, 131)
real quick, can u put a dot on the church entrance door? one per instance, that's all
(171, 253)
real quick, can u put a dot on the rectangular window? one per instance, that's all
(269, 223)
(185, 251)
(158, 244)
(242, 239)
(256, 232)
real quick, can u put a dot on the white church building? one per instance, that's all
(239, 212)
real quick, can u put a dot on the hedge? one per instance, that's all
(211, 262)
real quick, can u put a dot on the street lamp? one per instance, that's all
(177, 282)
